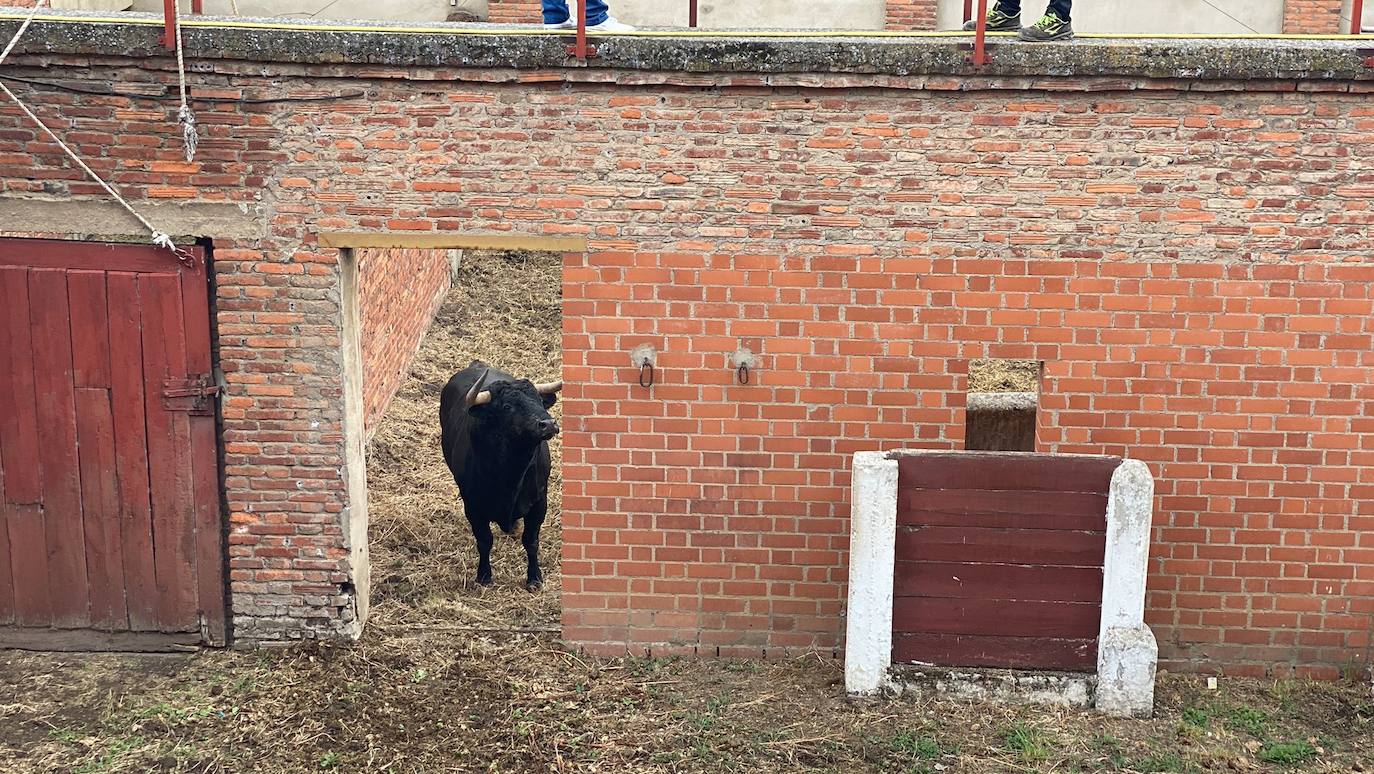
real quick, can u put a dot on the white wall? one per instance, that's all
(391, 10)
(733, 14)
(1135, 16)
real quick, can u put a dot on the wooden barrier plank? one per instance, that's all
(989, 651)
(49, 316)
(1006, 471)
(1039, 547)
(966, 580)
(997, 508)
(169, 463)
(1069, 620)
(130, 447)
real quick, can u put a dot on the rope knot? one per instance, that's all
(188, 130)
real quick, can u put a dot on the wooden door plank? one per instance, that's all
(1006, 470)
(169, 442)
(6, 574)
(1070, 620)
(90, 329)
(26, 537)
(95, 447)
(1077, 655)
(131, 451)
(18, 411)
(1039, 547)
(969, 580)
(29, 563)
(66, 254)
(100, 504)
(210, 540)
(49, 316)
(1000, 508)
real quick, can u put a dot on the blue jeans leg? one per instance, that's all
(556, 11)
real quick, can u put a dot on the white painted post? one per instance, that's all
(872, 546)
(1127, 653)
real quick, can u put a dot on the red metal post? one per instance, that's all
(968, 10)
(980, 51)
(692, 13)
(1356, 16)
(197, 6)
(169, 31)
(577, 8)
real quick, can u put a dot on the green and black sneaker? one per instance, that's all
(1050, 27)
(997, 21)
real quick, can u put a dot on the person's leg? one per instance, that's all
(1003, 15)
(596, 12)
(1054, 25)
(555, 11)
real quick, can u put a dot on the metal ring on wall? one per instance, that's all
(742, 373)
(642, 366)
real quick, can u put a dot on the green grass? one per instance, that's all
(1198, 717)
(1287, 753)
(915, 744)
(1249, 720)
(1030, 743)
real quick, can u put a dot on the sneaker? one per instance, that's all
(610, 26)
(1050, 27)
(997, 21)
(566, 24)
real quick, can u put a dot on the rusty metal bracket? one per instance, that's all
(194, 394)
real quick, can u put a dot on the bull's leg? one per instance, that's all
(530, 539)
(482, 532)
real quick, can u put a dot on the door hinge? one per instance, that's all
(194, 394)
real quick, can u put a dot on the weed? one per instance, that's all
(1248, 719)
(329, 760)
(914, 743)
(1028, 742)
(1286, 753)
(1198, 717)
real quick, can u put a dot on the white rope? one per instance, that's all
(185, 117)
(160, 238)
(27, 21)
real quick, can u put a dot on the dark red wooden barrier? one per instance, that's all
(999, 559)
(109, 495)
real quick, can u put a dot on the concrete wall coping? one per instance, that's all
(452, 45)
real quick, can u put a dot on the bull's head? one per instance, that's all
(521, 406)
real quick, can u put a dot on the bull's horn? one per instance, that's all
(549, 387)
(476, 395)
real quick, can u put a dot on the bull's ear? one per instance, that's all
(549, 399)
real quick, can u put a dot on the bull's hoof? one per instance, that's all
(481, 581)
(533, 586)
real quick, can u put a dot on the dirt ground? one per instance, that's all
(453, 678)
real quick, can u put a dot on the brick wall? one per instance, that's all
(399, 290)
(514, 12)
(1314, 17)
(1193, 266)
(910, 14)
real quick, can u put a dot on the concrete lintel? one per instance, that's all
(104, 220)
(872, 547)
(451, 241)
(445, 45)
(1127, 653)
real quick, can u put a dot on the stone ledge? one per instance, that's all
(452, 45)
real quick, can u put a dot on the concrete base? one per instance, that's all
(1060, 689)
(1126, 672)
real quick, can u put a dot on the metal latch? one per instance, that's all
(193, 394)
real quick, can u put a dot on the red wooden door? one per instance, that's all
(999, 559)
(110, 526)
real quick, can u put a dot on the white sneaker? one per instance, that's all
(567, 24)
(610, 26)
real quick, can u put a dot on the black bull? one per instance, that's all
(495, 435)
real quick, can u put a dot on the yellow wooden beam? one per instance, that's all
(452, 241)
